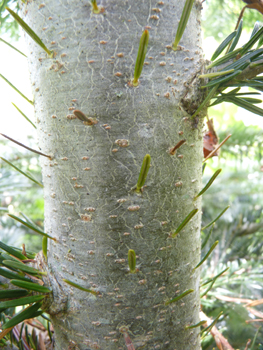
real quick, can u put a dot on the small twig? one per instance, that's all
(5, 332)
(21, 144)
(256, 313)
(172, 150)
(256, 5)
(255, 302)
(253, 70)
(240, 16)
(218, 342)
(24, 249)
(216, 334)
(248, 343)
(217, 148)
(127, 339)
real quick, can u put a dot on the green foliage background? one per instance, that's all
(240, 229)
(19, 194)
(220, 17)
(7, 24)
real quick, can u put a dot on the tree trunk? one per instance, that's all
(91, 207)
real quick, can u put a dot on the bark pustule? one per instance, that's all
(90, 206)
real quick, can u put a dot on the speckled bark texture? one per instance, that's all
(90, 206)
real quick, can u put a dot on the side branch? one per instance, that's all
(251, 71)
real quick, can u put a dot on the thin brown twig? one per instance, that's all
(24, 249)
(255, 302)
(127, 339)
(172, 150)
(256, 5)
(221, 341)
(218, 342)
(248, 343)
(234, 300)
(240, 16)
(21, 144)
(217, 148)
(255, 320)
(254, 312)
(5, 332)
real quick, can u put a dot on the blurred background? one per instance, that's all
(17, 193)
(240, 184)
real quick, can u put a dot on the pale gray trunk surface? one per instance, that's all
(88, 196)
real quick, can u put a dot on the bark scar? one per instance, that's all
(56, 301)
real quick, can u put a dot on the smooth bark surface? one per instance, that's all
(90, 206)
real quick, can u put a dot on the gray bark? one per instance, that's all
(89, 204)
